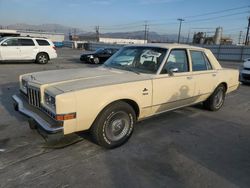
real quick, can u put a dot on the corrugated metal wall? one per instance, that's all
(222, 52)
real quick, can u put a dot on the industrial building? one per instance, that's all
(217, 38)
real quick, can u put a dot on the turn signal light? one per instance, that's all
(62, 117)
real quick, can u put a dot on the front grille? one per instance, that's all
(51, 114)
(246, 76)
(34, 97)
(246, 68)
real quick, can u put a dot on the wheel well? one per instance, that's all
(224, 84)
(43, 53)
(134, 105)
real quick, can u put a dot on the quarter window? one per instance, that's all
(200, 61)
(42, 42)
(177, 61)
(26, 42)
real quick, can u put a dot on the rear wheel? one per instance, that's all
(216, 100)
(114, 125)
(42, 58)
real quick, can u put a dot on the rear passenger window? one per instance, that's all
(26, 42)
(200, 61)
(42, 42)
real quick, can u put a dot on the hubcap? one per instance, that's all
(218, 99)
(96, 60)
(117, 126)
(42, 59)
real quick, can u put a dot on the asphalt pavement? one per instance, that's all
(189, 147)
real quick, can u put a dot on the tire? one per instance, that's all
(42, 58)
(96, 60)
(32, 124)
(114, 125)
(216, 100)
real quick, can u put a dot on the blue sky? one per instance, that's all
(129, 15)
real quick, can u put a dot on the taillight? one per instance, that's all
(54, 47)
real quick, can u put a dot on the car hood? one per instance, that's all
(75, 79)
(246, 64)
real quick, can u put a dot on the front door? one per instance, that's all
(174, 87)
(10, 49)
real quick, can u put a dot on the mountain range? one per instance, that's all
(153, 36)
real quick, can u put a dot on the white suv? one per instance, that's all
(39, 50)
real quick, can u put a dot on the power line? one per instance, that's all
(218, 12)
(217, 17)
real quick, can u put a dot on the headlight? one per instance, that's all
(24, 86)
(90, 56)
(50, 100)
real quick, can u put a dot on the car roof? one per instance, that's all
(25, 37)
(168, 45)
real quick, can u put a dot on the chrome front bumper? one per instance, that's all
(43, 121)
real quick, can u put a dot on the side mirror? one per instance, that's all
(172, 71)
(4, 44)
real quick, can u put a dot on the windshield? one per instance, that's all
(100, 50)
(1, 39)
(138, 59)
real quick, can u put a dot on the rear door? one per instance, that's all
(204, 75)
(28, 49)
(10, 49)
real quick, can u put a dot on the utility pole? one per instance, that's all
(240, 36)
(188, 36)
(97, 31)
(147, 38)
(247, 37)
(181, 20)
(75, 32)
(146, 32)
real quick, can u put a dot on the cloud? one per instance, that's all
(146, 2)
(102, 2)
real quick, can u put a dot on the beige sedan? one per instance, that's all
(137, 82)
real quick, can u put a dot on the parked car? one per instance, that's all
(109, 100)
(245, 72)
(99, 56)
(38, 50)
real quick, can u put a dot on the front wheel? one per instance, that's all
(114, 125)
(216, 100)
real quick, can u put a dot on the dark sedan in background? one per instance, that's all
(99, 56)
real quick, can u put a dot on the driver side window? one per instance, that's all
(177, 62)
(12, 42)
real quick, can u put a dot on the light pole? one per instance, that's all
(181, 20)
(247, 39)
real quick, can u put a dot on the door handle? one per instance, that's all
(189, 77)
(214, 74)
